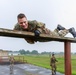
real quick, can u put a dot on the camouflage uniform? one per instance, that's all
(53, 64)
(11, 64)
(34, 25)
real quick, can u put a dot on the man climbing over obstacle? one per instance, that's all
(53, 61)
(38, 28)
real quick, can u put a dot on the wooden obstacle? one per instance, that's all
(23, 34)
(67, 43)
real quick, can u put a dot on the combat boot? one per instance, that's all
(59, 27)
(73, 32)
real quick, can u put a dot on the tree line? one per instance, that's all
(22, 51)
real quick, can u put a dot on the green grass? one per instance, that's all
(44, 61)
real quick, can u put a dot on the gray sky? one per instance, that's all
(51, 12)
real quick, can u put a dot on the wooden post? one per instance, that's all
(67, 53)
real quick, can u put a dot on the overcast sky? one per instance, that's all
(50, 12)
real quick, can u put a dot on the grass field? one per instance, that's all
(44, 61)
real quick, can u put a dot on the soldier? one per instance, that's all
(11, 63)
(39, 27)
(53, 64)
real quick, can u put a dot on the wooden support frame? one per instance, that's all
(67, 43)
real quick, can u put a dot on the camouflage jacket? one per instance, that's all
(32, 26)
(53, 60)
(11, 60)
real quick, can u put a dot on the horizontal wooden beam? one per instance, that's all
(24, 34)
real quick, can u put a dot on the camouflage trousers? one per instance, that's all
(11, 69)
(61, 33)
(55, 33)
(53, 67)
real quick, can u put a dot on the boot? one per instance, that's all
(73, 32)
(59, 27)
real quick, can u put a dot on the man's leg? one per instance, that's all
(73, 32)
(11, 68)
(64, 32)
(53, 68)
(61, 31)
(59, 27)
(56, 32)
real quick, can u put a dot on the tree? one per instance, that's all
(27, 52)
(22, 51)
(45, 52)
(34, 52)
